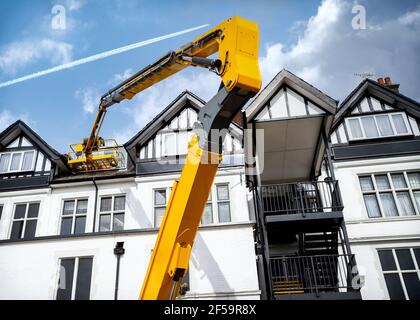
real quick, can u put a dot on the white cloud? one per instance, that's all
(89, 98)
(119, 77)
(329, 51)
(7, 118)
(74, 5)
(22, 53)
(412, 17)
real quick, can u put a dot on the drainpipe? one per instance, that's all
(348, 256)
(261, 227)
(96, 203)
(118, 251)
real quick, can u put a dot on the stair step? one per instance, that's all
(320, 237)
(289, 292)
(287, 282)
(322, 252)
(296, 285)
(287, 287)
(323, 244)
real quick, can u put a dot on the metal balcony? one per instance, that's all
(301, 197)
(302, 206)
(313, 276)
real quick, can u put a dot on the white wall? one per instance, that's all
(359, 225)
(139, 200)
(223, 259)
(370, 267)
(222, 264)
(366, 234)
(9, 199)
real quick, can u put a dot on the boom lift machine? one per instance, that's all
(236, 42)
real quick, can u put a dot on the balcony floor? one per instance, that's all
(311, 222)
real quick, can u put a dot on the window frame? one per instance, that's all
(112, 212)
(374, 116)
(211, 202)
(74, 214)
(218, 201)
(24, 219)
(159, 206)
(75, 274)
(393, 190)
(212, 199)
(22, 153)
(398, 271)
(190, 116)
(163, 144)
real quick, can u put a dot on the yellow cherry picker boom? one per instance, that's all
(236, 42)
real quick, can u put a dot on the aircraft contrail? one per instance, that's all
(99, 56)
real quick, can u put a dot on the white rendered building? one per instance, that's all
(53, 220)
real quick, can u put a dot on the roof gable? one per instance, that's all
(371, 88)
(186, 100)
(285, 77)
(164, 117)
(10, 135)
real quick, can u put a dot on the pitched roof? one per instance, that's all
(19, 127)
(301, 86)
(375, 89)
(163, 118)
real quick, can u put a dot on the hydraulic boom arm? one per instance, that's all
(236, 41)
(236, 45)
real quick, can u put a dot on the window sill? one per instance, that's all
(387, 219)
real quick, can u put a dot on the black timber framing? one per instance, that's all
(369, 87)
(390, 148)
(22, 180)
(22, 183)
(377, 147)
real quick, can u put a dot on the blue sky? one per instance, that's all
(313, 39)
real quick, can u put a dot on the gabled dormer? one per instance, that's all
(376, 120)
(293, 119)
(162, 144)
(26, 160)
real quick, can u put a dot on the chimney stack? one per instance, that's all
(387, 83)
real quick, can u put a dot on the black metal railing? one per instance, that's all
(301, 197)
(312, 274)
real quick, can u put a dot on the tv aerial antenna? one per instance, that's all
(366, 75)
